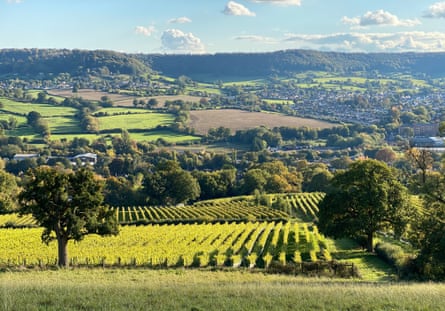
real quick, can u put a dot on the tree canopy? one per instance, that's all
(8, 192)
(429, 229)
(363, 199)
(67, 204)
(169, 184)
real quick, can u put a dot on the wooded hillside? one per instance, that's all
(31, 62)
(294, 61)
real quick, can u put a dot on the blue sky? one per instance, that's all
(211, 26)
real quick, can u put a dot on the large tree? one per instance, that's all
(362, 200)
(8, 192)
(428, 231)
(169, 184)
(67, 204)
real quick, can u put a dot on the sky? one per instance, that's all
(221, 26)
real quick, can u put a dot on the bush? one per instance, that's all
(390, 253)
(395, 256)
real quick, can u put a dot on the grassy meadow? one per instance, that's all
(44, 109)
(183, 289)
(135, 121)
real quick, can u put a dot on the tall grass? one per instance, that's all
(205, 290)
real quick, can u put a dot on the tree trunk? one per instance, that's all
(62, 245)
(370, 242)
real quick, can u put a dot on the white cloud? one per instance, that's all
(180, 20)
(379, 17)
(255, 38)
(174, 40)
(146, 31)
(234, 8)
(279, 2)
(14, 1)
(436, 10)
(415, 41)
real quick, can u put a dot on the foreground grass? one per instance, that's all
(99, 289)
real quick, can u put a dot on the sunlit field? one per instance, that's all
(183, 289)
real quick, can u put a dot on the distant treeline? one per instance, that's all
(294, 61)
(33, 62)
(76, 62)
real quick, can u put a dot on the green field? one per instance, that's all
(5, 116)
(168, 136)
(62, 125)
(150, 136)
(115, 289)
(44, 109)
(135, 121)
(120, 110)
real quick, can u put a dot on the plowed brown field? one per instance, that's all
(203, 120)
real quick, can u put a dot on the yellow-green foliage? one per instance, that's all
(163, 245)
(208, 210)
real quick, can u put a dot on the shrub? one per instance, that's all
(395, 256)
(390, 253)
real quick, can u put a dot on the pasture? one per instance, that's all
(22, 108)
(135, 121)
(203, 120)
(166, 135)
(150, 136)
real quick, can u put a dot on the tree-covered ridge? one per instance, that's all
(294, 61)
(30, 62)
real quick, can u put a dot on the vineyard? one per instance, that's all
(228, 211)
(250, 244)
(230, 232)
(300, 205)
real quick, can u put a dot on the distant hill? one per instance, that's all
(294, 61)
(34, 62)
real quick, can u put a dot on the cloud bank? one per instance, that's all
(371, 42)
(236, 9)
(379, 18)
(176, 41)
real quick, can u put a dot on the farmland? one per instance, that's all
(300, 206)
(249, 244)
(135, 121)
(120, 100)
(215, 233)
(234, 119)
(64, 124)
(141, 123)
